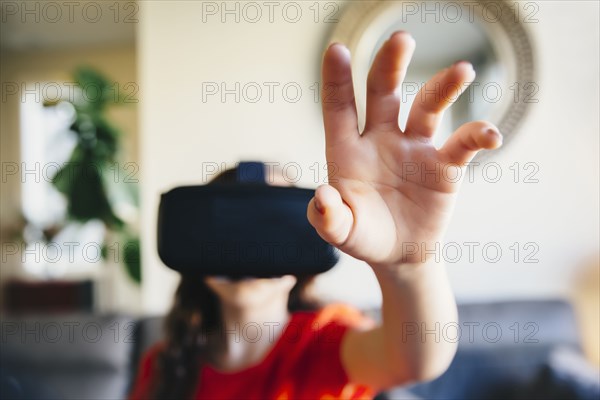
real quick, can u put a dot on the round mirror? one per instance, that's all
(489, 34)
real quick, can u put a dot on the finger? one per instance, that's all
(337, 95)
(471, 137)
(436, 96)
(385, 80)
(329, 215)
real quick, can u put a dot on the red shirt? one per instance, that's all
(304, 363)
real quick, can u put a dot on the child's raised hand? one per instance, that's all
(389, 189)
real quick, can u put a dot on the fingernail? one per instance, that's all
(402, 33)
(341, 45)
(491, 131)
(463, 62)
(398, 33)
(341, 48)
(319, 206)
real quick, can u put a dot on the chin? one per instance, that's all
(245, 298)
(242, 292)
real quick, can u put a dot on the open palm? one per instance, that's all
(391, 192)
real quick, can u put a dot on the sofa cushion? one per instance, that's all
(74, 356)
(71, 340)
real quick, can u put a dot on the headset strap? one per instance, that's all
(251, 172)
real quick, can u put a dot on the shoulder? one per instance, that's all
(344, 315)
(316, 352)
(150, 356)
(325, 328)
(146, 371)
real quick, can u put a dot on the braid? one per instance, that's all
(195, 312)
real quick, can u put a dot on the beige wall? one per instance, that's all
(178, 52)
(118, 64)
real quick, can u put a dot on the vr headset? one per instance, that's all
(242, 229)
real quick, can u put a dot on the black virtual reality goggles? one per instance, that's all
(245, 228)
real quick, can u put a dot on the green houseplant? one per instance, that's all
(86, 180)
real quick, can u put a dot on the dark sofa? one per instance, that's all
(507, 350)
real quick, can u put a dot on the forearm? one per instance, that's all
(419, 318)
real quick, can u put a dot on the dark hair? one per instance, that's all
(197, 310)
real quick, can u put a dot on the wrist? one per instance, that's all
(413, 255)
(408, 271)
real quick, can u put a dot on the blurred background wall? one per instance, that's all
(178, 53)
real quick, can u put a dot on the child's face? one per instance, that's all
(251, 291)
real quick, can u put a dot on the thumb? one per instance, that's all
(329, 215)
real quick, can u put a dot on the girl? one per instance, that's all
(373, 210)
